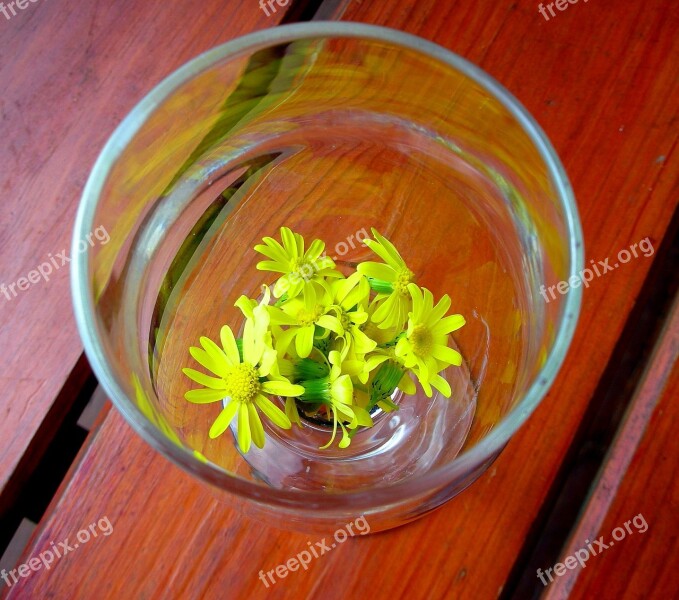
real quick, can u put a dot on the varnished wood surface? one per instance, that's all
(601, 80)
(69, 72)
(639, 479)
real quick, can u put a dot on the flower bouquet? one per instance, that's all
(325, 343)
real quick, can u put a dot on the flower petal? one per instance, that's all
(220, 359)
(229, 344)
(255, 426)
(289, 242)
(342, 389)
(377, 271)
(304, 340)
(309, 296)
(275, 414)
(295, 285)
(204, 395)
(384, 310)
(300, 244)
(363, 416)
(447, 355)
(246, 305)
(358, 295)
(331, 323)
(291, 411)
(272, 249)
(418, 301)
(224, 419)
(346, 440)
(388, 247)
(363, 344)
(278, 317)
(378, 249)
(282, 286)
(354, 367)
(315, 250)
(448, 324)
(270, 265)
(252, 347)
(282, 388)
(268, 363)
(204, 359)
(441, 385)
(283, 340)
(244, 435)
(407, 385)
(428, 301)
(214, 383)
(439, 310)
(358, 317)
(334, 430)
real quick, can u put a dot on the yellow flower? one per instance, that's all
(243, 382)
(301, 316)
(390, 280)
(258, 314)
(298, 268)
(348, 298)
(424, 348)
(336, 391)
(374, 332)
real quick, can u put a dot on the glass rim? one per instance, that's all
(317, 501)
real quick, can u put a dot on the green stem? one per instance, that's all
(380, 286)
(315, 390)
(385, 382)
(307, 368)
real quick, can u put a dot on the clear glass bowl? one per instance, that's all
(330, 129)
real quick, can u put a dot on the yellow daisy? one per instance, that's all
(424, 348)
(348, 302)
(243, 382)
(301, 316)
(298, 268)
(390, 280)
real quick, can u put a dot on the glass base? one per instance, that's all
(424, 432)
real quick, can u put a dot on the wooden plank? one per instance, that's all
(617, 135)
(639, 477)
(69, 72)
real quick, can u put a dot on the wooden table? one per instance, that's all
(601, 78)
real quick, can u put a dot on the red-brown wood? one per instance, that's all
(70, 71)
(639, 477)
(601, 79)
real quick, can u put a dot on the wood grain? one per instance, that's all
(638, 477)
(70, 71)
(601, 80)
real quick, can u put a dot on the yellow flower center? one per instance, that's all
(242, 383)
(422, 340)
(307, 317)
(345, 320)
(303, 268)
(404, 277)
